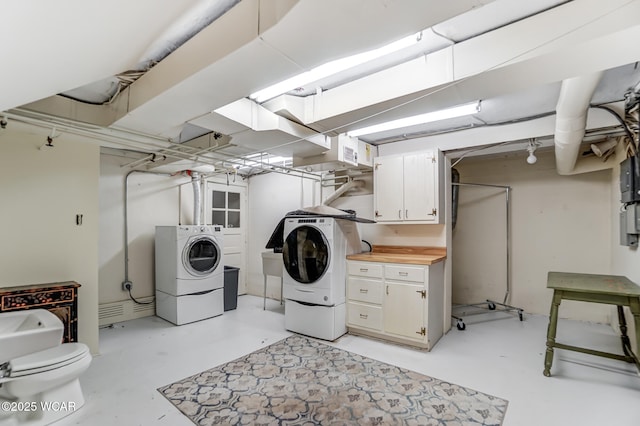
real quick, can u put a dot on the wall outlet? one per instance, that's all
(127, 285)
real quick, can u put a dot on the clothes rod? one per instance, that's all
(508, 226)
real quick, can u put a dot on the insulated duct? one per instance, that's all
(571, 119)
(341, 190)
(195, 183)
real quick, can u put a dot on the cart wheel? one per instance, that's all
(461, 325)
(520, 315)
(492, 306)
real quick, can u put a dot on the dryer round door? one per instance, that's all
(305, 254)
(201, 256)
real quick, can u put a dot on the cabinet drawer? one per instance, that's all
(366, 316)
(364, 269)
(364, 290)
(404, 273)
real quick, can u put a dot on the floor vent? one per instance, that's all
(109, 313)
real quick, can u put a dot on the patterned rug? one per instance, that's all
(299, 381)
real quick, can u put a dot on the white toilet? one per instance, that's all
(42, 387)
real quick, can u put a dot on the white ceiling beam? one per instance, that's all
(53, 47)
(577, 37)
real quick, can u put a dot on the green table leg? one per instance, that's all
(634, 306)
(626, 344)
(551, 332)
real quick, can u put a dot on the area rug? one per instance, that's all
(299, 381)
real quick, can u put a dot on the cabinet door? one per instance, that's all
(403, 310)
(420, 187)
(388, 194)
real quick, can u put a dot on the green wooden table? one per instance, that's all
(609, 289)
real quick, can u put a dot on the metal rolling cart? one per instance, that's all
(489, 304)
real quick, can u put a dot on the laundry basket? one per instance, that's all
(230, 287)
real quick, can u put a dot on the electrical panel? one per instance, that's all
(630, 225)
(630, 180)
(630, 197)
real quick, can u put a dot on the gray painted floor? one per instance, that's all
(496, 354)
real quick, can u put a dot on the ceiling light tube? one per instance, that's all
(429, 117)
(333, 67)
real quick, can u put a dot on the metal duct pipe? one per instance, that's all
(571, 119)
(342, 189)
(195, 183)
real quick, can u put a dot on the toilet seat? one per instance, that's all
(49, 359)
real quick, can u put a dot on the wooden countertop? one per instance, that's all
(402, 254)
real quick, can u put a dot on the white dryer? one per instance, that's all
(314, 282)
(189, 272)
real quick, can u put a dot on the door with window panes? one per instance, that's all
(226, 206)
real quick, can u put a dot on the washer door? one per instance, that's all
(305, 254)
(201, 256)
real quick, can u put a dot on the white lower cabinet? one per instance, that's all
(404, 310)
(365, 316)
(403, 303)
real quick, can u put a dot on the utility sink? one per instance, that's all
(28, 331)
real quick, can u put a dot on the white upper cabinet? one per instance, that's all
(388, 194)
(407, 188)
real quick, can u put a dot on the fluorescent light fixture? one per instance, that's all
(429, 117)
(333, 67)
(263, 159)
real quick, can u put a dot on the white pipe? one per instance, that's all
(203, 191)
(571, 119)
(126, 221)
(195, 183)
(341, 190)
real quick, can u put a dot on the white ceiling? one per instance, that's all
(512, 56)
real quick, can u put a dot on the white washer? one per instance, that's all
(189, 273)
(314, 257)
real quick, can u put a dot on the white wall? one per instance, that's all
(152, 200)
(42, 190)
(558, 223)
(272, 195)
(623, 257)
(407, 235)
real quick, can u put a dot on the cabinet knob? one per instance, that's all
(364, 290)
(363, 316)
(364, 269)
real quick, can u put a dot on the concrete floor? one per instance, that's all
(496, 355)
